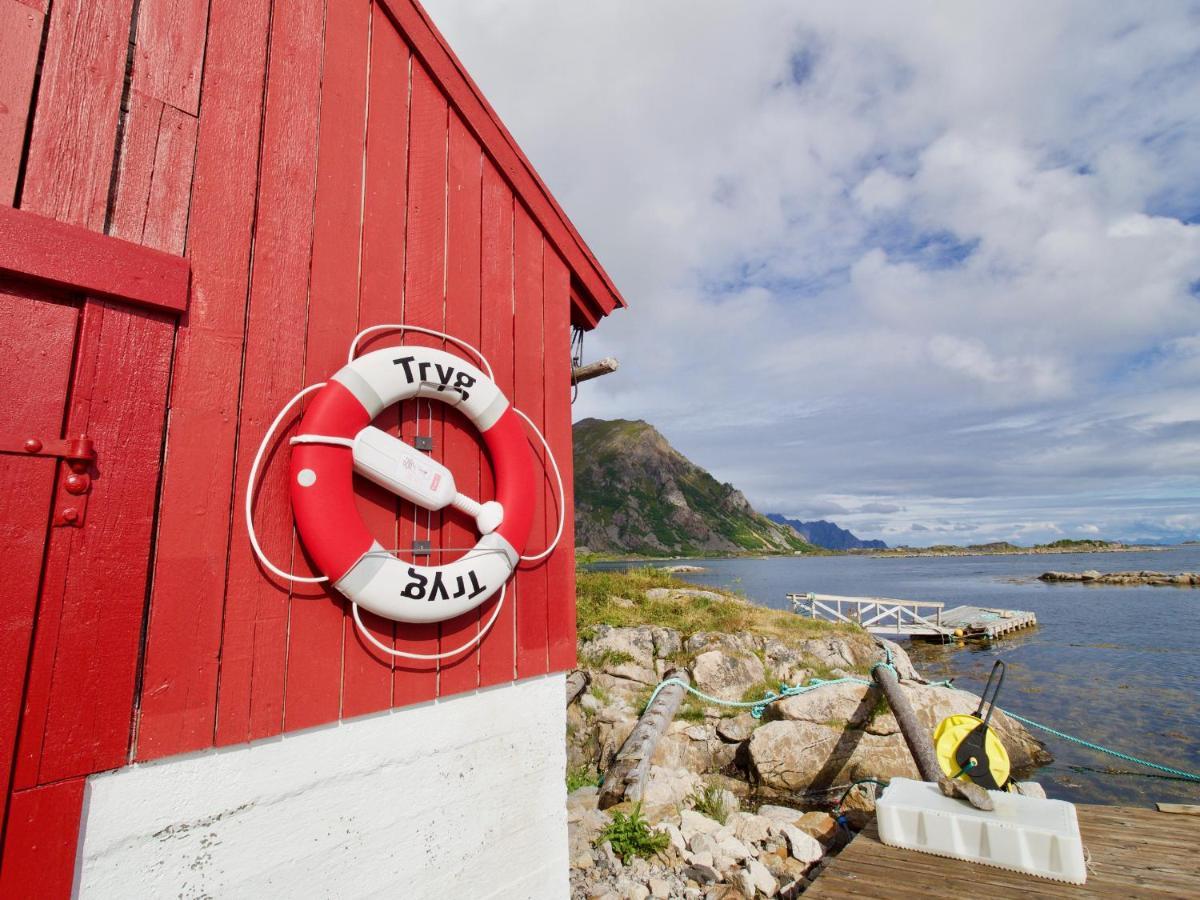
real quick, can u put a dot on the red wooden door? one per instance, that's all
(37, 339)
(87, 323)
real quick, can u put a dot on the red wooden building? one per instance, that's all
(202, 202)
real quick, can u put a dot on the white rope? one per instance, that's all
(430, 656)
(562, 509)
(487, 367)
(262, 557)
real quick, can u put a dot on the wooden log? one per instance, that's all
(626, 777)
(577, 683)
(600, 367)
(920, 744)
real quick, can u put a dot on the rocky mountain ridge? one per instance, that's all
(635, 493)
(827, 534)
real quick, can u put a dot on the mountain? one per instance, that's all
(827, 535)
(635, 493)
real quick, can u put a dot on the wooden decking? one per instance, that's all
(1132, 853)
(925, 619)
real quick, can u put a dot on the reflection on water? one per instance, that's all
(1118, 666)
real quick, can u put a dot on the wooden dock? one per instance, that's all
(924, 619)
(1131, 853)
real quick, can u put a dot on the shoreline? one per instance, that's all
(905, 553)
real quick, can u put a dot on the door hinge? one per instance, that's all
(74, 479)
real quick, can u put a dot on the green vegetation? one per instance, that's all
(630, 835)
(710, 801)
(687, 613)
(582, 776)
(608, 658)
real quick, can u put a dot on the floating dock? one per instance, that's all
(923, 619)
(1132, 853)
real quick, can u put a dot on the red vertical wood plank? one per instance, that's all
(424, 305)
(158, 147)
(20, 39)
(367, 683)
(43, 833)
(169, 54)
(528, 396)
(254, 647)
(560, 567)
(79, 701)
(79, 98)
(463, 453)
(497, 651)
(179, 688)
(37, 340)
(314, 672)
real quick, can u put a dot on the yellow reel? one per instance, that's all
(967, 748)
(948, 737)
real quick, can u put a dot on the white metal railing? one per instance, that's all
(874, 613)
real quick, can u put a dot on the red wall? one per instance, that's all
(322, 167)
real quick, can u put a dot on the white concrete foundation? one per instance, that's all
(464, 797)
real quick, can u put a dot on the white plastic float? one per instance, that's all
(1023, 834)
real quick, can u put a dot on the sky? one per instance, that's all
(929, 270)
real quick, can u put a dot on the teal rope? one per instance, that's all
(1178, 773)
(758, 707)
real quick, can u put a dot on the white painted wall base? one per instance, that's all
(461, 798)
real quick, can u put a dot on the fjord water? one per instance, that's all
(1119, 666)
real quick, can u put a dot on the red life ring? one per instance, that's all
(327, 517)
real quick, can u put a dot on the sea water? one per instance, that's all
(1118, 666)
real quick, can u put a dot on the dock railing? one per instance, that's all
(878, 614)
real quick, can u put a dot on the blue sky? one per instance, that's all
(928, 270)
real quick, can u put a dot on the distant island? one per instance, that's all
(1004, 548)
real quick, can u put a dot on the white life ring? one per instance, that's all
(322, 494)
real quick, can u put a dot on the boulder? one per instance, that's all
(727, 675)
(683, 593)
(736, 729)
(660, 888)
(692, 823)
(802, 846)
(779, 813)
(748, 827)
(670, 786)
(848, 704)
(763, 879)
(819, 825)
(611, 644)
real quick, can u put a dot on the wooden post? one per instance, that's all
(626, 777)
(594, 370)
(920, 744)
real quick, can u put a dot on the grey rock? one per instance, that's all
(736, 729)
(725, 674)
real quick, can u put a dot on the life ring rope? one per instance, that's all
(465, 504)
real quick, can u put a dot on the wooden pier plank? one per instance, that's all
(1132, 852)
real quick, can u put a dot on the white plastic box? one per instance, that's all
(1024, 834)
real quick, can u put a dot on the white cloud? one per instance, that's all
(938, 257)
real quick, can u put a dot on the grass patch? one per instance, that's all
(600, 694)
(691, 711)
(631, 835)
(710, 801)
(582, 776)
(687, 614)
(607, 658)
